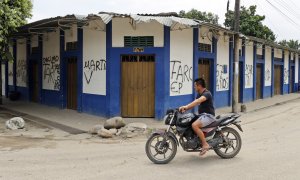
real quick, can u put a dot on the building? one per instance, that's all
(140, 65)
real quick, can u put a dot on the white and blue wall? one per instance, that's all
(223, 70)
(116, 30)
(267, 70)
(99, 50)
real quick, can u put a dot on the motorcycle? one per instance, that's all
(161, 146)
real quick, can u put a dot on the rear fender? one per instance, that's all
(238, 126)
(169, 134)
(233, 121)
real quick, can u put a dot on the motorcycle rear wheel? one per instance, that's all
(233, 137)
(154, 148)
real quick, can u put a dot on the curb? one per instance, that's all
(44, 122)
(273, 105)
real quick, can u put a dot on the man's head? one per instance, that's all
(199, 85)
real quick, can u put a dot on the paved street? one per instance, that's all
(270, 150)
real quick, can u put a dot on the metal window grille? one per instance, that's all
(204, 47)
(203, 61)
(259, 56)
(277, 59)
(71, 46)
(138, 41)
(34, 50)
(138, 58)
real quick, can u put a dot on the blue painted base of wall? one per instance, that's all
(24, 93)
(10, 88)
(221, 99)
(296, 87)
(51, 98)
(267, 92)
(94, 104)
(285, 89)
(248, 95)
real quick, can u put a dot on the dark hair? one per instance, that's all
(200, 81)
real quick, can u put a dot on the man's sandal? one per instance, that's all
(203, 151)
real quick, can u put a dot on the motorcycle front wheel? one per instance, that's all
(160, 151)
(231, 145)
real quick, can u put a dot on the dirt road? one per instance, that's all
(270, 150)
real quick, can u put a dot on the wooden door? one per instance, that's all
(138, 86)
(277, 79)
(259, 81)
(35, 82)
(292, 79)
(204, 71)
(72, 83)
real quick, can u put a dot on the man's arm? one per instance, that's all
(193, 104)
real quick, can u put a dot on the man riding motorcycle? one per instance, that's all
(206, 111)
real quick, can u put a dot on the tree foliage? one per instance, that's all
(13, 14)
(294, 44)
(250, 23)
(202, 16)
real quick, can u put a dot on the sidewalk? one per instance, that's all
(83, 122)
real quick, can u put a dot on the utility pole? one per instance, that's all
(236, 57)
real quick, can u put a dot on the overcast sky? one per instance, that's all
(283, 27)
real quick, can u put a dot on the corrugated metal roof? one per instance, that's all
(48, 23)
(138, 18)
(106, 18)
(164, 20)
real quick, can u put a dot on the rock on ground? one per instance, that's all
(95, 129)
(119, 131)
(136, 127)
(15, 123)
(113, 131)
(104, 133)
(116, 122)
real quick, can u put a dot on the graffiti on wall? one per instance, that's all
(248, 75)
(180, 73)
(222, 77)
(92, 66)
(21, 74)
(286, 76)
(51, 71)
(10, 74)
(267, 75)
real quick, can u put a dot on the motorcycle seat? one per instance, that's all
(219, 120)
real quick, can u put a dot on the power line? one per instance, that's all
(287, 7)
(270, 20)
(284, 15)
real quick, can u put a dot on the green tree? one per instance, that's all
(250, 23)
(202, 16)
(13, 14)
(294, 44)
(283, 42)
